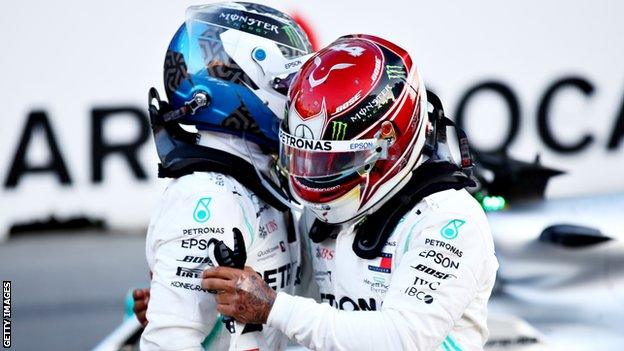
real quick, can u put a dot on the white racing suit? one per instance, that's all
(194, 209)
(428, 291)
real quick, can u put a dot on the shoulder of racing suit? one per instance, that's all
(206, 202)
(373, 231)
(187, 159)
(446, 229)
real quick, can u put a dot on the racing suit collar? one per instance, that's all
(236, 146)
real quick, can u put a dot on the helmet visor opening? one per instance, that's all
(309, 158)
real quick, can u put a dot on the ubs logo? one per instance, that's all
(324, 253)
(271, 226)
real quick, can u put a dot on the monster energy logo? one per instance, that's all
(339, 129)
(395, 72)
(249, 22)
(290, 33)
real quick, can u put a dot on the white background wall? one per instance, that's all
(68, 57)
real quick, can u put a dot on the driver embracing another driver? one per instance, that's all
(223, 75)
(402, 254)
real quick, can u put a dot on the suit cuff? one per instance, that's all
(280, 313)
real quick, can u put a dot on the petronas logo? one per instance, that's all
(451, 229)
(201, 213)
(395, 72)
(339, 129)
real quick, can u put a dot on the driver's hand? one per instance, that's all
(141, 298)
(241, 294)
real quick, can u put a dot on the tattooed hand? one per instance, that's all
(241, 294)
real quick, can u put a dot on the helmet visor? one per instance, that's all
(309, 158)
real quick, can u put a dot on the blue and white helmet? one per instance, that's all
(241, 56)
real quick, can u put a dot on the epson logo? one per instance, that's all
(292, 64)
(440, 259)
(361, 146)
(201, 244)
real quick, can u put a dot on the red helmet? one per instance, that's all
(356, 126)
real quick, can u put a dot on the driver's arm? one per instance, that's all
(412, 317)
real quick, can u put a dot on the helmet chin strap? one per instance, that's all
(200, 99)
(437, 146)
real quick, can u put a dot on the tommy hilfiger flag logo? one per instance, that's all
(385, 265)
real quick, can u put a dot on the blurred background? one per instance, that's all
(524, 78)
